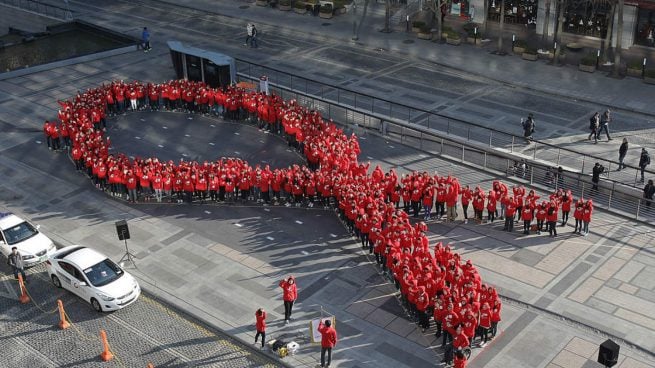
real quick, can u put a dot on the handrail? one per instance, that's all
(449, 118)
(608, 195)
(59, 12)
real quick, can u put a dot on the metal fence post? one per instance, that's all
(463, 150)
(441, 146)
(609, 198)
(534, 154)
(638, 208)
(491, 133)
(468, 133)
(355, 95)
(448, 127)
(511, 148)
(485, 160)
(531, 175)
(559, 152)
(583, 159)
(428, 121)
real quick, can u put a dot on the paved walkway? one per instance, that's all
(201, 259)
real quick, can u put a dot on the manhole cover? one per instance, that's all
(326, 24)
(244, 7)
(408, 41)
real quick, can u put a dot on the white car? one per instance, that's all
(33, 246)
(93, 277)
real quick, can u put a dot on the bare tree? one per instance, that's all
(435, 8)
(387, 16)
(607, 41)
(544, 34)
(501, 28)
(560, 25)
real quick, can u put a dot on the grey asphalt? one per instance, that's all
(204, 266)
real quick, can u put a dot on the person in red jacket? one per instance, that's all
(460, 341)
(586, 216)
(527, 219)
(577, 215)
(466, 199)
(552, 219)
(567, 200)
(328, 341)
(510, 210)
(542, 213)
(460, 360)
(290, 294)
(495, 316)
(485, 323)
(422, 302)
(260, 325)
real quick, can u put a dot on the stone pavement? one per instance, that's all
(146, 332)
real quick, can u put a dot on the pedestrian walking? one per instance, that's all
(328, 341)
(604, 125)
(145, 39)
(248, 34)
(260, 325)
(253, 37)
(15, 260)
(644, 160)
(623, 151)
(529, 127)
(594, 125)
(595, 175)
(649, 190)
(290, 294)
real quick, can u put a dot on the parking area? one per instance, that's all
(147, 331)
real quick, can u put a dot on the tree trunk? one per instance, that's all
(501, 27)
(387, 16)
(560, 25)
(486, 16)
(619, 36)
(607, 42)
(437, 14)
(544, 34)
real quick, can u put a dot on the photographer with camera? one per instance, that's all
(595, 175)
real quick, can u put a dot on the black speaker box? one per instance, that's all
(122, 230)
(608, 355)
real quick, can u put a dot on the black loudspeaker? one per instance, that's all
(122, 230)
(608, 355)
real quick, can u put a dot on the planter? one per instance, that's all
(416, 29)
(529, 57)
(425, 36)
(302, 10)
(453, 41)
(518, 50)
(634, 72)
(474, 40)
(284, 7)
(261, 2)
(649, 80)
(340, 11)
(325, 15)
(587, 68)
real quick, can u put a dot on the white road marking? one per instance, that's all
(189, 118)
(267, 210)
(211, 144)
(38, 142)
(392, 147)
(238, 225)
(369, 157)
(236, 133)
(184, 154)
(160, 146)
(207, 212)
(186, 135)
(165, 127)
(142, 119)
(137, 137)
(333, 235)
(304, 252)
(237, 152)
(270, 238)
(298, 222)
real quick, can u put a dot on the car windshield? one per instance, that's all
(103, 273)
(19, 233)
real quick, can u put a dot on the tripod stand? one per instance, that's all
(127, 257)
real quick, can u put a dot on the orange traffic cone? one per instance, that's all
(23, 298)
(106, 355)
(63, 323)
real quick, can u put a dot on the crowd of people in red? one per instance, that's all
(435, 284)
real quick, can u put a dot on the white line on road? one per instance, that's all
(270, 238)
(211, 144)
(207, 212)
(304, 252)
(38, 142)
(333, 235)
(186, 135)
(236, 133)
(212, 125)
(298, 222)
(160, 146)
(238, 225)
(165, 127)
(137, 137)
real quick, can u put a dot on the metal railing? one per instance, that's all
(570, 160)
(609, 195)
(38, 7)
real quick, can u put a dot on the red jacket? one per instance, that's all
(290, 289)
(328, 335)
(261, 321)
(460, 341)
(459, 363)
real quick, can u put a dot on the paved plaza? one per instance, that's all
(563, 297)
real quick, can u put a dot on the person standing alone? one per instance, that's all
(15, 260)
(290, 294)
(145, 39)
(328, 341)
(260, 316)
(623, 151)
(644, 160)
(248, 34)
(604, 125)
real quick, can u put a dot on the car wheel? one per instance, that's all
(56, 282)
(96, 305)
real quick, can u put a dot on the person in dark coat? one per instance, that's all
(595, 175)
(623, 151)
(528, 127)
(649, 191)
(644, 160)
